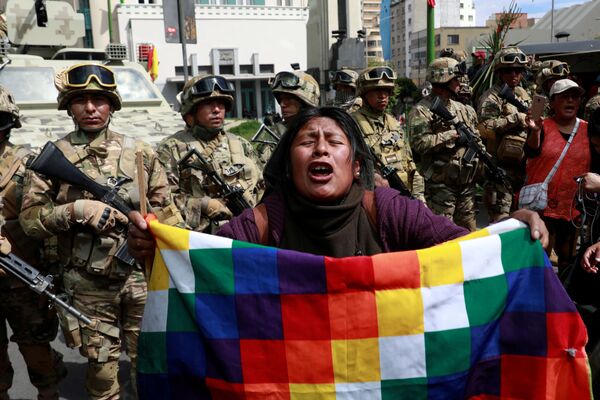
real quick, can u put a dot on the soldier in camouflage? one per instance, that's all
(548, 72)
(504, 130)
(204, 101)
(344, 84)
(33, 324)
(105, 288)
(593, 103)
(382, 132)
(449, 178)
(293, 91)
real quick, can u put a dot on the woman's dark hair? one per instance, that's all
(594, 123)
(277, 172)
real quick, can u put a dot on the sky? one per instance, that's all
(535, 8)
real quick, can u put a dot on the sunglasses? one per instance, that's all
(378, 73)
(285, 80)
(80, 76)
(6, 121)
(209, 84)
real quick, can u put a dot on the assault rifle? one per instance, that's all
(389, 173)
(506, 93)
(233, 195)
(473, 146)
(272, 138)
(52, 163)
(37, 282)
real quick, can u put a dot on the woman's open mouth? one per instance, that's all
(319, 171)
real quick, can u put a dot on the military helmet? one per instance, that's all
(510, 57)
(206, 87)
(345, 77)
(444, 69)
(299, 84)
(550, 69)
(9, 112)
(86, 78)
(376, 78)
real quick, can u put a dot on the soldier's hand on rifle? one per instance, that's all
(214, 209)
(449, 136)
(5, 247)
(461, 139)
(96, 214)
(140, 241)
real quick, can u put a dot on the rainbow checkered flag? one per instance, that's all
(482, 317)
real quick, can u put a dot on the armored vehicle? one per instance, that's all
(30, 78)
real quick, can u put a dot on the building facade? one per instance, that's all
(246, 41)
(371, 15)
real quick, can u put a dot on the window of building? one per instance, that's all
(462, 17)
(146, 1)
(409, 7)
(266, 68)
(437, 40)
(470, 18)
(453, 39)
(462, 5)
(371, 43)
(246, 68)
(372, 54)
(226, 69)
(410, 21)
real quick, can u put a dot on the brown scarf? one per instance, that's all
(340, 230)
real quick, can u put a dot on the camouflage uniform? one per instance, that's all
(449, 179)
(34, 325)
(232, 157)
(344, 99)
(591, 105)
(106, 289)
(298, 84)
(504, 131)
(386, 138)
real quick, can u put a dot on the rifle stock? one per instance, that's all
(234, 195)
(37, 282)
(389, 173)
(52, 163)
(507, 94)
(474, 148)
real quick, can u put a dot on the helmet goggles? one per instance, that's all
(6, 121)
(79, 76)
(210, 84)
(342, 77)
(378, 73)
(286, 80)
(513, 58)
(560, 70)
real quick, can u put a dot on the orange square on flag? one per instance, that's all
(353, 315)
(397, 270)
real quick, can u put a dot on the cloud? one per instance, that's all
(535, 8)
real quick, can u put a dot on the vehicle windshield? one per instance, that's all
(36, 84)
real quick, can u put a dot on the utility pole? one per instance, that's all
(183, 40)
(430, 31)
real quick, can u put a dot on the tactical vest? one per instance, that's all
(12, 169)
(447, 165)
(112, 164)
(226, 154)
(389, 145)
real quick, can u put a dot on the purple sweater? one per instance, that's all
(402, 223)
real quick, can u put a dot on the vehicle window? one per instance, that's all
(133, 86)
(30, 83)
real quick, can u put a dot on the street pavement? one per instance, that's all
(73, 386)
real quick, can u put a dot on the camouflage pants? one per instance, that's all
(34, 326)
(498, 199)
(457, 203)
(116, 309)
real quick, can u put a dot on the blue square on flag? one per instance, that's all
(526, 290)
(217, 313)
(185, 354)
(255, 270)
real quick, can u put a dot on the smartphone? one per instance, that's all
(537, 108)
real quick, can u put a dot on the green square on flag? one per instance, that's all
(439, 344)
(213, 269)
(494, 290)
(404, 389)
(154, 359)
(182, 312)
(517, 251)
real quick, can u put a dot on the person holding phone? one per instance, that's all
(545, 144)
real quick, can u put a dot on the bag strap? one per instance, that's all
(262, 223)
(368, 203)
(563, 154)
